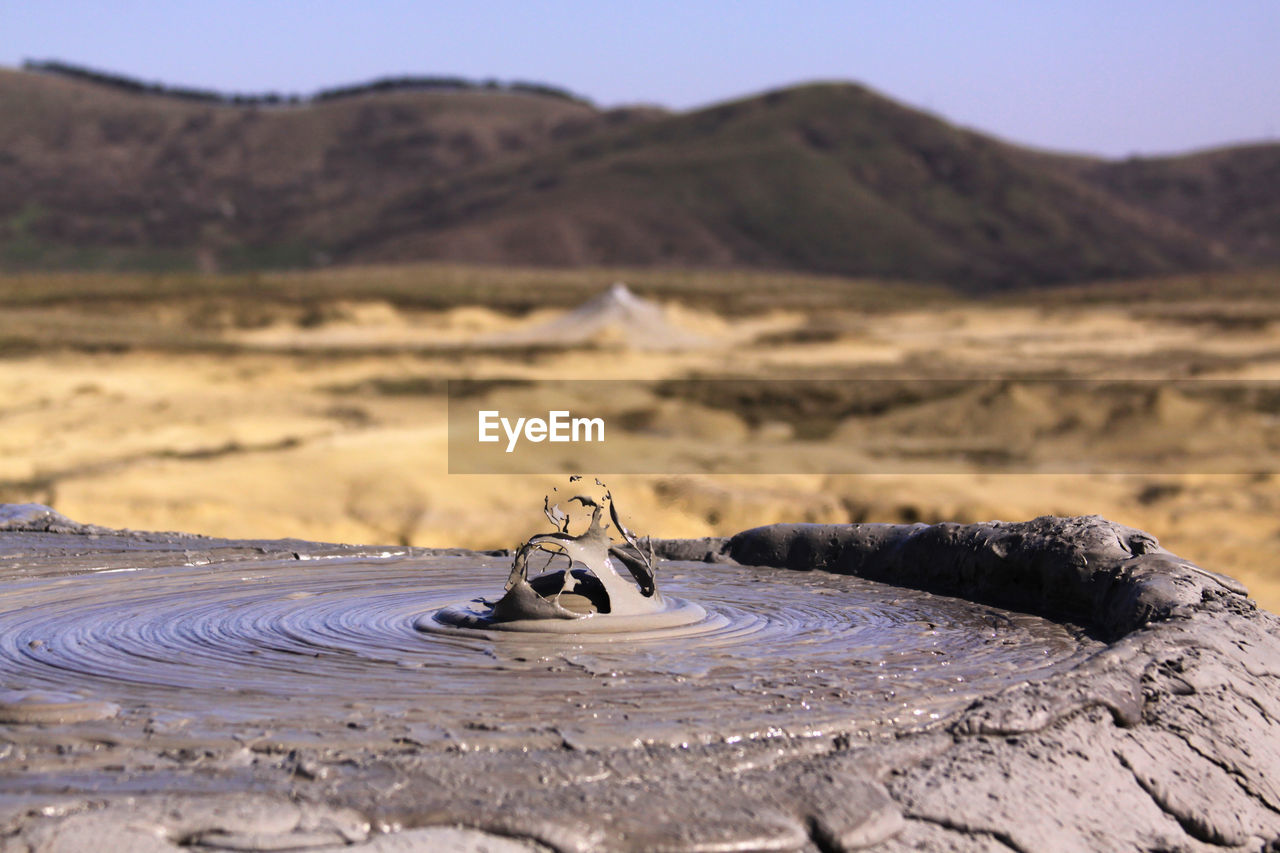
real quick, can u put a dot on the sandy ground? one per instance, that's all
(337, 430)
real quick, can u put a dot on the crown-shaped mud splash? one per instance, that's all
(566, 582)
(589, 582)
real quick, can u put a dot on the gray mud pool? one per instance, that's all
(311, 646)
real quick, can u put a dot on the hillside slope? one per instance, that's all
(828, 178)
(83, 165)
(1230, 195)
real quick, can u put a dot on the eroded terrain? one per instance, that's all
(315, 406)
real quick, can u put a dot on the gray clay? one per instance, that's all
(1078, 688)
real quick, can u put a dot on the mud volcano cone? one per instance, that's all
(617, 317)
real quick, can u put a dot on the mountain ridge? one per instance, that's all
(824, 177)
(390, 83)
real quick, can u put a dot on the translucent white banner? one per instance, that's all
(864, 426)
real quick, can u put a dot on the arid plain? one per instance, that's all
(313, 405)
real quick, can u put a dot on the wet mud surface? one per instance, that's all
(1063, 684)
(306, 647)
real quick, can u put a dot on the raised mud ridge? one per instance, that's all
(1111, 577)
(1158, 727)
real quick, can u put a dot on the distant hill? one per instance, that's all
(829, 178)
(1230, 196)
(93, 173)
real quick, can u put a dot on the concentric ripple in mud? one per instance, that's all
(330, 647)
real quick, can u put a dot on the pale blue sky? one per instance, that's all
(1104, 76)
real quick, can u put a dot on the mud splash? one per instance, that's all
(588, 593)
